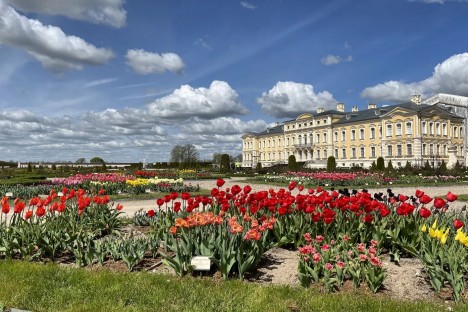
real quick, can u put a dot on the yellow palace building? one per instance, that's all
(415, 132)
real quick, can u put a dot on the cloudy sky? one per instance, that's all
(128, 80)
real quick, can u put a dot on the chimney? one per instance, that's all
(320, 110)
(371, 106)
(340, 107)
(416, 99)
(354, 109)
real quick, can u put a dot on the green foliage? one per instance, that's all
(96, 160)
(331, 164)
(427, 167)
(442, 169)
(225, 165)
(390, 166)
(29, 167)
(373, 166)
(258, 167)
(292, 164)
(408, 167)
(380, 164)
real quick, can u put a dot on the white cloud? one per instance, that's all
(48, 44)
(109, 12)
(448, 77)
(288, 99)
(335, 59)
(216, 101)
(100, 82)
(248, 5)
(144, 62)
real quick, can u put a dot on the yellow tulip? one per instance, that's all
(432, 233)
(424, 228)
(434, 225)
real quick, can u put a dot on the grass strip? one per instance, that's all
(51, 287)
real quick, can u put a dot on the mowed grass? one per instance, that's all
(51, 287)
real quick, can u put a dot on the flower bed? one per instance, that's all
(340, 236)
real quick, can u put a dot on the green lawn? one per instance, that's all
(51, 287)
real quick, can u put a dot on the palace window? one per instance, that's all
(409, 128)
(318, 138)
(343, 153)
(398, 129)
(424, 128)
(409, 149)
(361, 134)
(389, 150)
(324, 138)
(325, 154)
(455, 132)
(336, 136)
(353, 135)
(343, 135)
(437, 128)
(431, 149)
(372, 133)
(389, 130)
(353, 152)
(444, 129)
(362, 152)
(372, 150)
(424, 149)
(399, 150)
(336, 153)
(431, 128)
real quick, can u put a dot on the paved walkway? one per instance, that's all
(131, 206)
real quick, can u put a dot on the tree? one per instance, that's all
(29, 167)
(258, 167)
(380, 164)
(81, 160)
(390, 166)
(54, 167)
(225, 163)
(408, 167)
(427, 166)
(373, 166)
(217, 158)
(331, 164)
(237, 158)
(184, 154)
(96, 160)
(292, 164)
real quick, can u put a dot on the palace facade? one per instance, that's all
(412, 132)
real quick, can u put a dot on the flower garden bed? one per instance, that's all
(339, 237)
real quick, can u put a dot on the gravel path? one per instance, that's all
(131, 206)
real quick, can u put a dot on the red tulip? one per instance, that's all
(419, 193)
(439, 203)
(425, 199)
(424, 213)
(5, 208)
(300, 188)
(402, 198)
(40, 211)
(177, 207)
(160, 202)
(247, 189)
(292, 185)
(119, 207)
(458, 224)
(28, 214)
(150, 213)
(220, 182)
(451, 197)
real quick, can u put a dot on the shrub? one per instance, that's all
(331, 164)
(390, 166)
(292, 164)
(225, 163)
(380, 164)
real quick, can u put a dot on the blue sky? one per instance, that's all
(128, 80)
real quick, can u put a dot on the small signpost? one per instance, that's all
(201, 263)
(9, 194)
